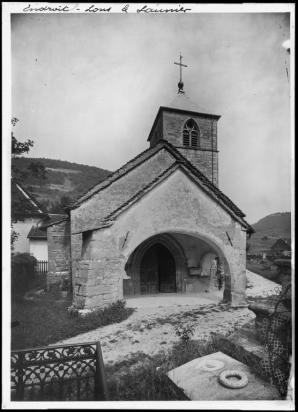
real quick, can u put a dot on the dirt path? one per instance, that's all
(152, 329)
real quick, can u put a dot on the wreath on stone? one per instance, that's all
(225, 375)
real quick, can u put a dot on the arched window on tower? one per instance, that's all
(190, 134)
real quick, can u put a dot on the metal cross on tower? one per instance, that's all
(180, 84)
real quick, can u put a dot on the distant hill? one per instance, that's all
(272, 227)
(63, 178)
(275, 221)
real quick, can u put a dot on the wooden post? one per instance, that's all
(101, 391)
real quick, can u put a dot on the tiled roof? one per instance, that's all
(35, 232)
(281, 242)
(164, 157)
(182, 102)
(39, 231)
(146, 154)
(53, 219)
(24, 203)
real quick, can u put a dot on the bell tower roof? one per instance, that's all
(182, 102)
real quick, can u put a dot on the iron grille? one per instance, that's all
(59, 373)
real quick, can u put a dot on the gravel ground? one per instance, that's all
(153, 330)
(257, 286)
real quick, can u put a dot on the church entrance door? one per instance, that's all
(158, 270)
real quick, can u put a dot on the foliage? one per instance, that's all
(63, 178)
(22, 273)
(267, 272)
(13, 237)
(143, 377)
(45, 320)
(58, 206)
(184, 332)
(279, 338)
(140, 377)
(34, 170)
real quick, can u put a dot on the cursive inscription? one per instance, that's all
(46, 8)
(145, 9)
(93, 9)
(125, 8)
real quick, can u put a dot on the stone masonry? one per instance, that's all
(169, 126)
(59, 253)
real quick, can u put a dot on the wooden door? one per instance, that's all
(149, 271)
(166, 270)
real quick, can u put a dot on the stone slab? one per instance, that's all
(200, 384)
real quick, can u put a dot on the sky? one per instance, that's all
(86, 88)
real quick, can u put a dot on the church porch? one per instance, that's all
(171, 264)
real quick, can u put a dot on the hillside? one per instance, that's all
(63, 178)
(274, 227)
(275, 221)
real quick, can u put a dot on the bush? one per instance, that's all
(22, 273)
(47, 320)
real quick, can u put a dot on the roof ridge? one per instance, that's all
(108, 217)
(174, 165)
(204, 178)
(80, 199)
(31, 197)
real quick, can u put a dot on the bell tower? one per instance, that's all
(190, 129)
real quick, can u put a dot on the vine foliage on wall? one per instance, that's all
(277, 329)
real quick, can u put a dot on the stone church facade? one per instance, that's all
(155, 224)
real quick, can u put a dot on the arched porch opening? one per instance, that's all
(134, 266)
(192, 255)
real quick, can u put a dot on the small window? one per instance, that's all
(87, 237)
(185, 138)
(190, 134)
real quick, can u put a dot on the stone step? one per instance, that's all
(244, 346)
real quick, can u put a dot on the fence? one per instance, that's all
(41, 267)
(59, 373)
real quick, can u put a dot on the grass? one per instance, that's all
(267, 272)
(140, 377)
(45, 320)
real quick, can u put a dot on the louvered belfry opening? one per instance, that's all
(190, 134)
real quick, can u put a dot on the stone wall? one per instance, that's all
(97, 281)
(176, 205)
(76, 256)
(205, 157)
(205, 161)
(91, 212)
(157, 133)
(59, 266)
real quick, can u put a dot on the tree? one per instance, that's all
(35, 169)
(59, 205)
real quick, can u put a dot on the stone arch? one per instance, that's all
(205, 262)
(216, 244)
(133, 264)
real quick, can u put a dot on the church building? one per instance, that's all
(154, 225)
